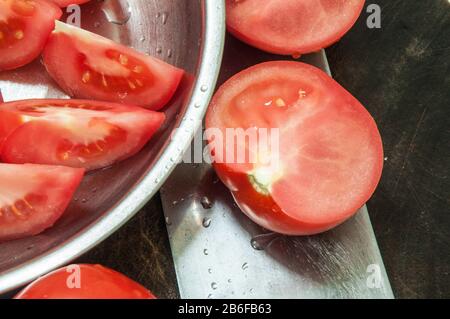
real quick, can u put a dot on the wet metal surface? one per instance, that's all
(185, 33)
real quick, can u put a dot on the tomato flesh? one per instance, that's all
(140, 76)
(89, 282)
(89, 66)
(291, 27)
(329, 153)
(33, 197)
(75, 133)
(24, 28)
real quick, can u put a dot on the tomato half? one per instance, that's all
(76, 133)
(324, 162)
(66, 3)
(33, 197)
(24, 28)
(291, 27)
(85, 282)
(89, 66)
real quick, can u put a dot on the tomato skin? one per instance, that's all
(42, 193)
(290, 27)
(326, 177)
(115, 132)
(34, 27)
(76, 60)
(97, 282)
(66, 3)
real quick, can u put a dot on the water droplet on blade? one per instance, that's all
(214, 286)
(206, 222)
(117, 11)
(261, 242)
(244, 266)
(164, 17)
(206, 203)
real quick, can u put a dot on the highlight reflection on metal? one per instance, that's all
(186, 33)
(231, 257)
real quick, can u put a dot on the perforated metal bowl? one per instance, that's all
(186, 33)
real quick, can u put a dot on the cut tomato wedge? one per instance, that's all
(324, 162)
(89, 66)
(85, 282)
(24, 28)
(291, 27)
(33, 197)
(66, 3)
(76, 133)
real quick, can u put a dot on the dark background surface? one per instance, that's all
(401, 74)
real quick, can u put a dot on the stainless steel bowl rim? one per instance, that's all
(211, 57)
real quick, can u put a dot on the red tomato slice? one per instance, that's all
(76, 133)
(66, 3)
(33, 197)
(330, 151)
(24, 28)
(85, 282)
(291, 27)
(87, 65)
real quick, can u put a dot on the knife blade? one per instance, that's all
(219, 253)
